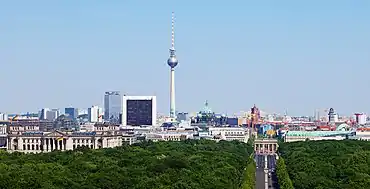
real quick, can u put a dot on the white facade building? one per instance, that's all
(3, 130)
(93, 114)
(139, 110)
(100, 115)
(333, 118)
(363, 135)
(169, 136)
(230, 133)
(3, 117)
(360, 118)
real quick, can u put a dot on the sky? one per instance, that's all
(286, 55)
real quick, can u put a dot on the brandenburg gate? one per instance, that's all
(265, 146)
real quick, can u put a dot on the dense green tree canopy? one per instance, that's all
(328, 164)
(162, 165)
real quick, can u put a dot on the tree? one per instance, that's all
(161, 165)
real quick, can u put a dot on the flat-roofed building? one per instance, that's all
(294, 136)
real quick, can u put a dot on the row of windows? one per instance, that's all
(31, 140)
(35, 140)
(89, 140)
(173, 139)
(33, 147)
(171, 136)
(24, 128)
(91, 146)
(74, 140)
(40, 147)
(82, 140)
(229, 132)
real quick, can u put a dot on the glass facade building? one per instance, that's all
(139, 112)
(71, 113)
(112, 106)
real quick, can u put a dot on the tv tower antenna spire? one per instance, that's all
(173, 31)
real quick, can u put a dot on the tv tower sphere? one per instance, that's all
(172, 62)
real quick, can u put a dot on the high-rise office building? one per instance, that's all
(93, 114)
(49, 114)
(71, 113)
(139, 110)
(43, 113)
(112, 106)
(100, 114)
(52, 114)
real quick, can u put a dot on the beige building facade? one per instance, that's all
(29, 139)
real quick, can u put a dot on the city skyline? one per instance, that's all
(264, 54)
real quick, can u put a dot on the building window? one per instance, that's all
(37, 147)
(91, 146)
(24, 147)
(33, 147)
(28, 147)
(74, 146)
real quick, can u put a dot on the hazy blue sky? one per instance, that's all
(286, 54)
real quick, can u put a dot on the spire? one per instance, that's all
(173, 32)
